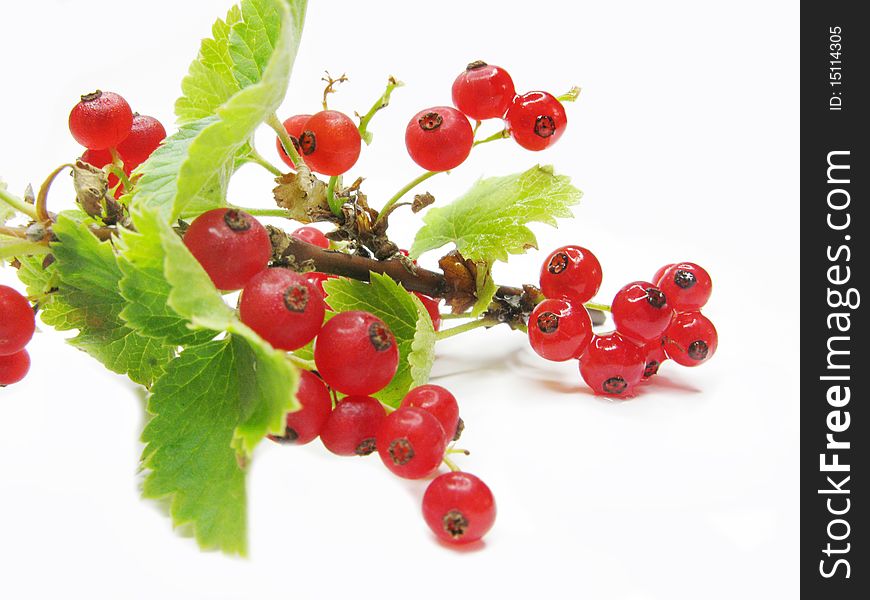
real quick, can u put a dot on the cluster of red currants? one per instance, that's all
(356, 355)
(411, 441)
(440, 138)
(17, 325)
(113, 134)
(654, 321)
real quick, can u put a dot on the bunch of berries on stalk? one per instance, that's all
(115, 138)
(17, 325)
(356, 355)
(654, 321)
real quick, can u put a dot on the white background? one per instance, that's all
(685, 141)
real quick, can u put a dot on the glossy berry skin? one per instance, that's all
(330, 143)
(433, 307)
(612, 365)
(312, 235)
(438, 402)
(691, 339)
(306, 423)
(98, 158)
(101, 120)
(352, 426)
(657, 278)
(439, 138)
(654, 356)
(294, 126)
(411, 442)
(559, 330)
(145, 136)
(571, 272)
(483, 91)
(283, 307)
(687, 286)
(231, 245)
(17, 322)
(14, 367)
(458, 507)
(356, 353)
(536, 120)
(641, 311)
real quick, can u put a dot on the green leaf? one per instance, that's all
(190, 175)
(88, 299)
(210, 81)
(489, 221)
(486, 288)
(192, 296)
(144, 286)
(406, 317)
(188, 453)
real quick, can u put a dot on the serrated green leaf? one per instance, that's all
(406, 317)
(193, 297)
(190, 176)
(489, 221)
(188, 453)
(141, 259)
(210, 81)
(88, 299)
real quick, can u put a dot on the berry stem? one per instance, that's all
(275, 123)
(256, 158)
(42, 197)
(455, 316)
(265, 212)
(380, 103)
(407, 188)
(13, 231)
(307, 365)
(570, 96)
(447, 333)
(450, 464)
(118, 170)
(499, 135)
(18, 204)
(334, 203)
(597, 306)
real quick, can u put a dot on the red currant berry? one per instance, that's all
(101, 120)
(437, 401)
(231, 245)
(433, 307)
(536, 120)
(439, 138)
(352, 426)
(306, 423)
(317, 279)
(14, 367)
(145, 135)
(294, 126)
(558, 330)
(312, 235)
(690, 339)
(571, 272)
(654, 355)
(612, 365)
(283, 307)
(687, 286)
(17, 322)
(641, 311)
(98, 158)
(458, 507)
(657, 278)
(411, 442)
(356, 353)
(330, 143)
(483, 91)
